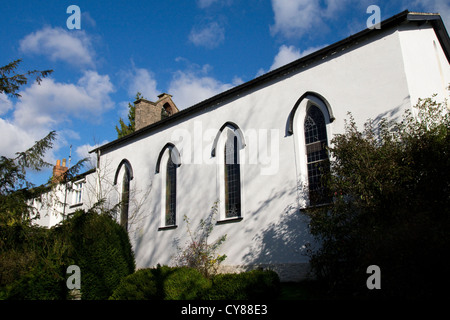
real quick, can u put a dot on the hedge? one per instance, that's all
(251, 285)
(163, 283)
(36, 259)
(182, 283)
(102, 250)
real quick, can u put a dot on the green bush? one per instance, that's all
(390, 184)
(100, 247)
(182, 283)
(185, 284)
(251, 285)
(162, 283)
(34, 260)
(29, 269)
(140, 285)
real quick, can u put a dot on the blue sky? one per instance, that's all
(190, 49)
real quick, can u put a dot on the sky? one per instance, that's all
(191, 49)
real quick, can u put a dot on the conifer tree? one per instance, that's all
(126, 129)
(14, 186)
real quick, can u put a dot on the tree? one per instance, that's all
(14, 187)
(390, 185)
(11, 84)
(126, 129)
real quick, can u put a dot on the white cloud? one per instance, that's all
(5, 103)
(209, 36)
(205, 3)
(143, 81)
(284, 56)
(202, 4)
(14, 139)
(82, 152)
(295, 18)
(287, 54)
(60, 44)
(54, 105)
(191, 87)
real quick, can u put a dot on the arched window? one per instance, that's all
(316, 154)
(125, 198)
(171, 192)
(168, 161)
(227, 146)
(232, 177)
(123, 176)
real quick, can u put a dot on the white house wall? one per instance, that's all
(426, 66)
(374, 78)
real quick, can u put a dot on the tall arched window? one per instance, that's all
(316, 154)
(168, 161)
(232, 176)
(123, 176)
(171, 192)
(125, 198)
(227, 146)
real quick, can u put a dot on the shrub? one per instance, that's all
(140, 285)
(100, 247)
(29, 269)
(162, 283)
(251, 285)
(390, 185)
(199, 252)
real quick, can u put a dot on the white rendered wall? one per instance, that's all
(426, 67)
(368, 79)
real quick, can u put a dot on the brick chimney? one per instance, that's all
(148, 112)
(59, 171)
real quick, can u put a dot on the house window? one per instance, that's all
(171, 192)
(232, 177)
(316, 154)
(77, 193)
(125, 198)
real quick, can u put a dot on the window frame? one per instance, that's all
(169, 151)
(219, 152)
(316, 149)
(297, 119)
(124, 169)
(77, 193)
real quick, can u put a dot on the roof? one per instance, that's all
(434, 19)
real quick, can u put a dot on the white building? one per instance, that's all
(271, 131)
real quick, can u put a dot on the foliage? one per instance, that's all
(198, 253)
(163, 283)
(100, 247)
(182, 283)
(390, 185)
(29, 266)
(126, 129)
(11, 84)
(251, 285)
(14, 186)
(13, 183)
(34, 259)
